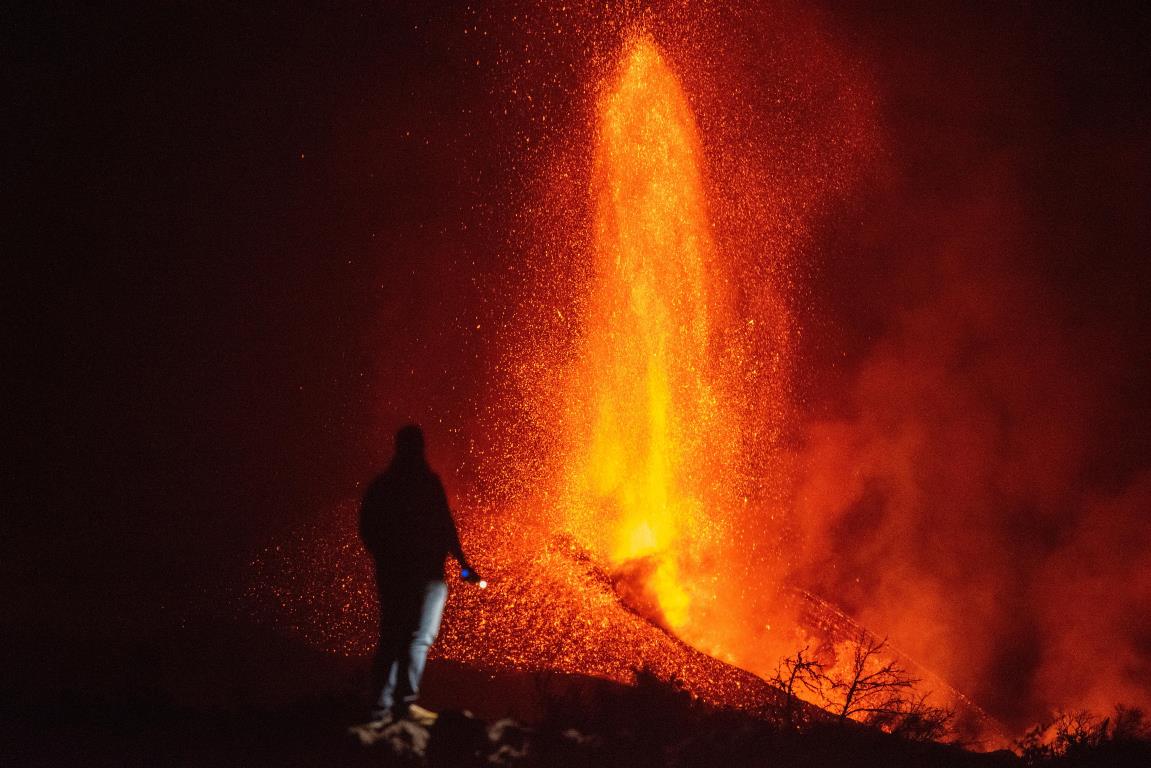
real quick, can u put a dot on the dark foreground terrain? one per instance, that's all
(583, 723)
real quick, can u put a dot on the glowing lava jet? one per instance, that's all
(625, 534)
(651, 438)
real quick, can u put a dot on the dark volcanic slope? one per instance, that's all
(556, 609)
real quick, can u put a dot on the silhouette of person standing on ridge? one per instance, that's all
(406, 525)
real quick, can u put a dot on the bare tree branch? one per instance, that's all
(802, 670)
(870, 685)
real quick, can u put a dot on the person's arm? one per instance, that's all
(448, 525)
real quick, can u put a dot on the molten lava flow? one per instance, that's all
(651, 440)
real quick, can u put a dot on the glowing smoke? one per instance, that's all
(947, 508)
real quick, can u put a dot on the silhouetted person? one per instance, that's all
(407, 527)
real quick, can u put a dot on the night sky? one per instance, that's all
(252, 239)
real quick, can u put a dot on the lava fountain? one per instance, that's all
(651, 438)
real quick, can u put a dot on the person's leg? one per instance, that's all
(391, 647)
(432, 596)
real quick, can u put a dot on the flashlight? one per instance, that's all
(470, 575)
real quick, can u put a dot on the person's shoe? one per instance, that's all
(420, 716)
(372, 731)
